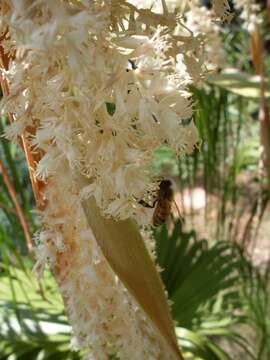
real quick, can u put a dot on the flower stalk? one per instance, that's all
(18, 208)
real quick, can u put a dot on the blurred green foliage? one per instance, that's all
(32, 322)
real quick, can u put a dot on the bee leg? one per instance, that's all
(181, 218)
(145, 204)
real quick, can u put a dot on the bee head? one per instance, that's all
(165, 184)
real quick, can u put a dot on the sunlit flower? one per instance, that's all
(249, 13)
(83, 74)
(199, 20)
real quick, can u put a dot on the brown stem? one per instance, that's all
(18, 207)
(8, 209)
(257, 47)
(30, 158)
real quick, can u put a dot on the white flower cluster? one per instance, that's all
(249, 13)
(103, 100)
(199, 20)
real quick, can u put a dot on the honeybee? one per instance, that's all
(162, 204)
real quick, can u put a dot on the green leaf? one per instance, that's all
(125, 250)
(240, 83)
(31, 326)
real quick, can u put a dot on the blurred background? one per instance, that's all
(216, 261)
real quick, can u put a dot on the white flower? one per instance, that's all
(249, 13)
(199, 20)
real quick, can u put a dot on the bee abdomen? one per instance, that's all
(160, 216)
(158, 221)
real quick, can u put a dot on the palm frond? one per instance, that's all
(32, 325)
(203, 285)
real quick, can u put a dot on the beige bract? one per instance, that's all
(222, 10)
(97, 86)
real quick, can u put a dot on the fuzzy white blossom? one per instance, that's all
(199, 20)
(88, 69)
(103, 84)
(249, 13)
